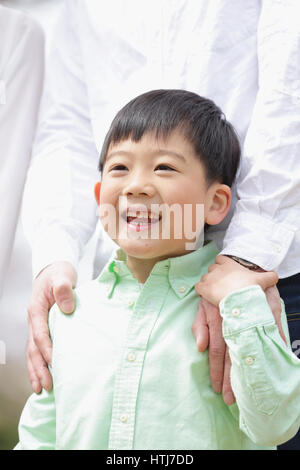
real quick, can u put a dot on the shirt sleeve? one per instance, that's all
(59, 210)
(268, 185)
(21, 78)
(265, 374)
(37, 427)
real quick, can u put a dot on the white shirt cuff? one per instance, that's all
(258, 240)
(54, 245)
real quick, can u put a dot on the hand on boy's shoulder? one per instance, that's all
(54, 284)
(226, 276)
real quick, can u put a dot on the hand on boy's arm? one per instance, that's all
(227, 276)
(224, 277)
(54, 284)
(207, 330)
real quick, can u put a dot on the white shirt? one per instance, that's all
(243, 55)
(21, 79)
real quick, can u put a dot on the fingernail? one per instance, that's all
(36, 387)
(201, 343)
(49, 357)
(67, 307)
(45, 386)
(228, 398)
(217, 387)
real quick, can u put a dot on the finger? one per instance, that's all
(199, 288)
(222, 259)
(212, 267)
(200, 329)
(64, 296)
(216, 346)
(281, 332)
(267, 279)
(38, 368)
(34, 380)
(274, 301)
(38, 324)
(227, 392)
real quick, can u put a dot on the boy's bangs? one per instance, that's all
(202, 123)
(133, 124)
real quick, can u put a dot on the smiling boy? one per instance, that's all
(126, 372)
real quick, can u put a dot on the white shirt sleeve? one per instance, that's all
(59, 211)
(21, 79)
(267, 215)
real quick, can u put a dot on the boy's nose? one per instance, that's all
(139, 186)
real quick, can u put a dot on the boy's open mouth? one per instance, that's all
(140, 219)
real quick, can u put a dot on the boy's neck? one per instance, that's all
(141, 268)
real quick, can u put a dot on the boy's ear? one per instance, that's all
(97, 192)
(218, 204)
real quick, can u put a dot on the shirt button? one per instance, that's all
(236, 312)
(131, 303)
(249, 361)
(124, 418)
(182, 289)
(131, 357)
(116, 269)
(278, 248)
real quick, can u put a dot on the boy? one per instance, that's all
(126, 372)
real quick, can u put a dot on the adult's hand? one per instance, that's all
(207, 330)
(54, 284)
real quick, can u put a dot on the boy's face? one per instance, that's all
(157, 196)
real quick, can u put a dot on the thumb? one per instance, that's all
(200, 328)
(267, 279)
(64, 296)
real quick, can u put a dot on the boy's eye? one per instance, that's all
(118, 168)
(164, 167)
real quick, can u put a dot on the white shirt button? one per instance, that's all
(249, 360)
(278, 248)
(124, 418)
(131, 357)
(116, 269)
(236, 312)
(182, 289)
(131, 303)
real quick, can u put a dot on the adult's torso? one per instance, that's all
(131, 46)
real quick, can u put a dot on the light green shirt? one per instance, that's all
(127, 373)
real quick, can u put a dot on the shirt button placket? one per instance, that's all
(131, 357)
(124, 418)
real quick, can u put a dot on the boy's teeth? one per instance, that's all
(141, 215)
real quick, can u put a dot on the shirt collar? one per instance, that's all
(183, 271)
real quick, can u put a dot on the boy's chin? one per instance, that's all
(139, 248)
(149, 249)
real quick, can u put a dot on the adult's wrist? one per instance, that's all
(52, 245)
(246, 264)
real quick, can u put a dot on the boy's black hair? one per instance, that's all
(202, 123)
